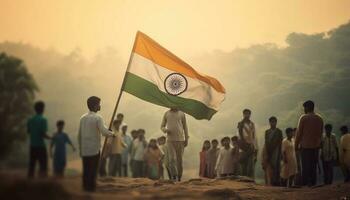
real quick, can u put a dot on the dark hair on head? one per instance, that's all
(328, 127)
(344, 129)
(60, 123)
(205, 142)
(234, 138)
(294, 129)
(120, 115)
(289, 130)
(214, 140)
(310, 105)
(39, 107)
(225, 138)
(141, 130)
(273, 118)
(153, 140)
(247, 110)
(92, 102)
(162, 138)
(117, 121)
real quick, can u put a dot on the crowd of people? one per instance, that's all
(289, 161)
(121, 153)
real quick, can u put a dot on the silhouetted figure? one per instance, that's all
(175, 126)
(329, 154)
(273, 142)
(103, 161)
(117, 147)
(37, 130)
(236, 155)
(289, 166)
(203, 172)
(298, 177)
(344, 153)
(308, 140)
(212, 156)
(89, 137)
(125, 153)
(248, 143)
(153, 157)
(59, 141)
(137, 154)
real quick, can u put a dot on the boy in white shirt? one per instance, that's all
(224, 164)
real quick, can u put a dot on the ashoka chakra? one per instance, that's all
(175, 84)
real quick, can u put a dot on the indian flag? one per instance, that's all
(156, 75)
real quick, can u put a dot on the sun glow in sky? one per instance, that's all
(185, 27)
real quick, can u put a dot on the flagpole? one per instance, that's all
(119, 97)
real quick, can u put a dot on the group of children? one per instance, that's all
(219, 162)
(147, 159)
(225, 161)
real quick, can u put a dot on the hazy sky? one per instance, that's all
(185, 27)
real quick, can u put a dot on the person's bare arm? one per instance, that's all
(79, 138)
(163, 125)
(240, 130)
(184, 123)
(299, 133)
(50, 149)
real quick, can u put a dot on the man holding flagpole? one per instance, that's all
(175, 126)
(91, 128)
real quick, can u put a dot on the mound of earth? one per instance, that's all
(16, 186)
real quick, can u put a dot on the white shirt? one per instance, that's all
(139, 149)
(225, 161)
(175, 122)
(90, 130)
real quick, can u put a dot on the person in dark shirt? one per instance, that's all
(59, 141)
(37, 130)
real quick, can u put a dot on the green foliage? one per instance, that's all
(17, 88)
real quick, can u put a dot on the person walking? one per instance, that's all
(175, 126)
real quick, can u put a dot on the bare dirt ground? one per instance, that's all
(14, 185)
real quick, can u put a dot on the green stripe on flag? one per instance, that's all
(147, 91)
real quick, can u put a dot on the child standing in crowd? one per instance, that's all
(153, 157)
(37, 130)
(137, 154)
(165, 160)
(344, 153)
(125, 154)
(212, 156)
(289, 164)
(329, 154)
(59, 141)
(236, 155)
(203, 159)
(224, 164)
(117, 147)
(298, 180)
(134, 135)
